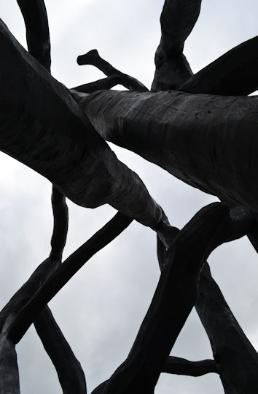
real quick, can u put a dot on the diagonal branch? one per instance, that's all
(234, 73)
(93, 58)
(210, 227)
(181, 366)
(68, 368)
(65, 272)
(177, 20)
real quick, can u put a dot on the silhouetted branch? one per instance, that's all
(234, 73)
(93, 58)
(70, 373)
(210, 227)
(100, 84)
(65, 272)
(60, 214)
(9, 374)
(37, 30)
(181, 366)
(177, 20)
(233, 352)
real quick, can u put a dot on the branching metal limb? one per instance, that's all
(210, 227)
(234, 73)
(65, 272)
(93, 58)
(181, 366)
(69, 370)
(177, 20)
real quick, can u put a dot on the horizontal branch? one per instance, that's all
(181, 366)
(220, 154)
(93, 58)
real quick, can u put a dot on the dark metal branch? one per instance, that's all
(177, 20)
(37, 30)
(100, 84)
(9, 374)
(93, 58)
(181, 366)
(59, 235)
(68, 368)
(234, 73)
(233, 352)
(210, 227)
(65, 272)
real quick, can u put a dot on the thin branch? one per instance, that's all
(93, 58)
(181, 366)
(69, 370)
(59, 235)
(234, 73)
(177, 20)
(65, 272)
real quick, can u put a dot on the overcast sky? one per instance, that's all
(101, 309)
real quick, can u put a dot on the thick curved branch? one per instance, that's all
(37, 30)
(234, 73)
(220, 155)
(43, 127)
(177, 20)
(93, 58)
(165, 318)
(181, 366)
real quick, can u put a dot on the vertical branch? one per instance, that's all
(233, 352)
(177, 20)
(37, 31)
